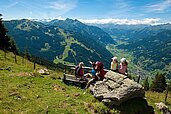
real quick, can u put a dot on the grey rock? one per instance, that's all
(116, 88)
(44, 71)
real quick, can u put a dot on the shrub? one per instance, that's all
(159, 82)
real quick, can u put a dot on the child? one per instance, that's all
(123, 67)
(93, 71)
(98, 73)
(114, 64)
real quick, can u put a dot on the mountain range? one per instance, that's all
(150, 44)
(70, 41)
(61, 41)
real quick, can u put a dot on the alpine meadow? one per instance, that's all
(85, 57)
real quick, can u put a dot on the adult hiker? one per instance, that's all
(79, 71)
(123, 67)
(114, 64)
(100, 70)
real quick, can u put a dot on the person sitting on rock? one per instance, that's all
(100, 70)
(93, 70)
(123, 67)
(97, 73)
(114, 64)
(93, 75)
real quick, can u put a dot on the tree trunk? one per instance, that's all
(167, 90)
(5, 54)
(15, 57)
(138, 81)
(34, 64)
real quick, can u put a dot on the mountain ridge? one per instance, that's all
(150, 45)
(52, 39)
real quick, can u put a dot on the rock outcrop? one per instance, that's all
(162, 107)
(44, 71)
(116, 88)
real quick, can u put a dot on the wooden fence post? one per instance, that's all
(167, 90)
(138, 79)
(64, 75)
(15, 57)
(34, 63)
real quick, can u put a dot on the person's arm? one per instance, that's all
(126, 72)
(117, 66)
(111, 66)
(120, 65)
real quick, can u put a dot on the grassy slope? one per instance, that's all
(154, 97)
(68, 40)
(21, 93)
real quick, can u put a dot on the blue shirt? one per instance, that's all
(93, 72)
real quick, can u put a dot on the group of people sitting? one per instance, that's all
(98, 72)
(120, 68)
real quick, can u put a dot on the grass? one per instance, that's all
(24, 26)
(155, 97)
(24, 91)
(69, 41)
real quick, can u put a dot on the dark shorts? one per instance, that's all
(115, 70)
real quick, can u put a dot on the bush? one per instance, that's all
(146, 84)
(159, 82)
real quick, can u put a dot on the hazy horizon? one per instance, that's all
(90, 11)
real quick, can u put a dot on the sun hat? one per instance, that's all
(114, 58)
(123, 60)
(81, 63)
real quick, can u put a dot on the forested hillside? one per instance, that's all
(150, 45)
(68, 41)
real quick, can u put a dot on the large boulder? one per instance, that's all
(116, 88)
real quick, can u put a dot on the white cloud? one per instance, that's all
(12, 4)
(63, 5)
(59, 18)
(150, 21)
(159, 7)
(121, 4)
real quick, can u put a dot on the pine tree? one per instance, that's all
(170, 85)
(3, 31)
(159, 82)
(6, 42)
(146, 84)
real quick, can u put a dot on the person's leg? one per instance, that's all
(89, 82)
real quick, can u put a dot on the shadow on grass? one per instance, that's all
(77, 84)
(134, 106)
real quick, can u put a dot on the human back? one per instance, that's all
(114, 64)
(79, 71)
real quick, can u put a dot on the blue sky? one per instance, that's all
(90, 11)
